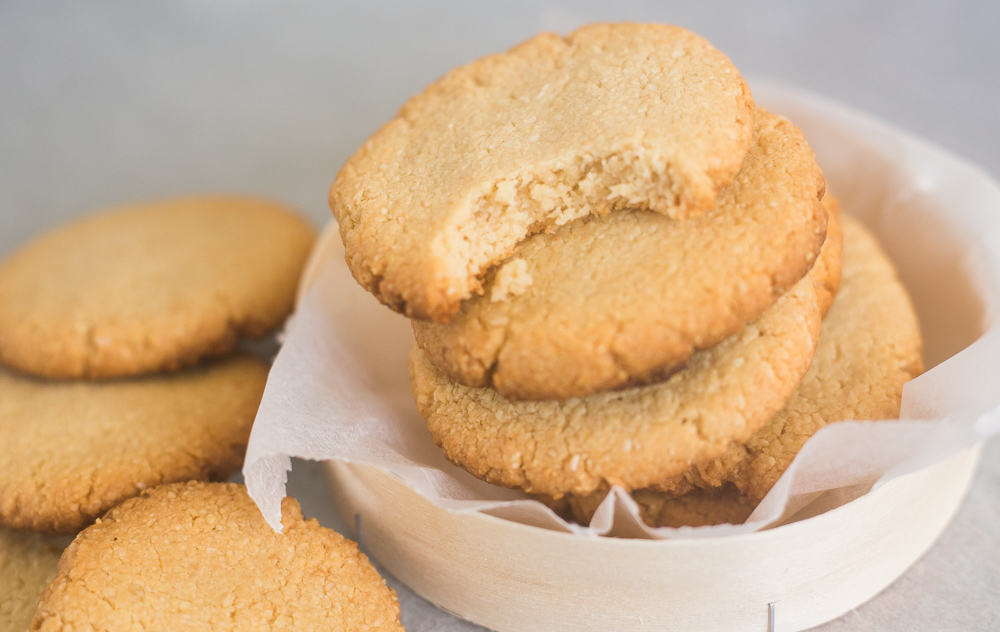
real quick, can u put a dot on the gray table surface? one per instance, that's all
(111, 102)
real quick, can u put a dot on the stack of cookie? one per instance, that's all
(103, 323)
(123, 394)
(617, 268)
(117, 333)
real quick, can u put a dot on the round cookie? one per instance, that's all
(627, 297)
(612, 116)
(869, 348)
(27, 564)
(199, 556)
(633, 437)
(71, 450)
(151, 286)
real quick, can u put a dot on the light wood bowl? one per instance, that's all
(511, 577)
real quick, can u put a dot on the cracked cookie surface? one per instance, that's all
(150, 286)
(71, 450)
(870, 346)
(632, 437)
(197, 556)
(625, 298)
(612, 116)
(868, 349)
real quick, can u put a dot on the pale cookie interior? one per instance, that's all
(516, 208)
(610, 117)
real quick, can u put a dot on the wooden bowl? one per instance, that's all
(511, 577)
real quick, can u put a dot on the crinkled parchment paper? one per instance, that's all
(339, 386)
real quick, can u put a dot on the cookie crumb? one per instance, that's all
(513, 279)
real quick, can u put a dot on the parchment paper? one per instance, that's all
(339, 389)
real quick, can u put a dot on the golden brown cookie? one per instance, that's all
(27, 564)
(869, 348)
(830, 260)
(619, 299)
(612, 116)
(633, 437)
(197, 556)
(71, 450)
(149, 286)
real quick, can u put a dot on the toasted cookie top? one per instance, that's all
(869, 348)
(27, 564)
(612, 300)
(198, 556)
(612, 116)
(71, 450)
(150, 286)
(633, 437)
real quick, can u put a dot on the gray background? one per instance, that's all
(109, 102)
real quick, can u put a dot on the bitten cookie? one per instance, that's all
(27, 564)
(612, 116)
(71, 450)
(151, 286)
(627, 297)
(633, 437)
(199, 556)
(869, 348)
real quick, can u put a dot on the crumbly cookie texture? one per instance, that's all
(628, 297)
(869, 348)
(199, 556)
(612, 116)
(27, 564)
(633, 437)
(72, 450)
(151, 286)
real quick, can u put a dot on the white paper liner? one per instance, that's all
(339, 387)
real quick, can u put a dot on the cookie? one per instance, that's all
(869, 348)
(632, 437)
(71, 450)
(151, 286)
(199, 556)
(830, 261)
(612, 116)
(627, 297)
(27, 564)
